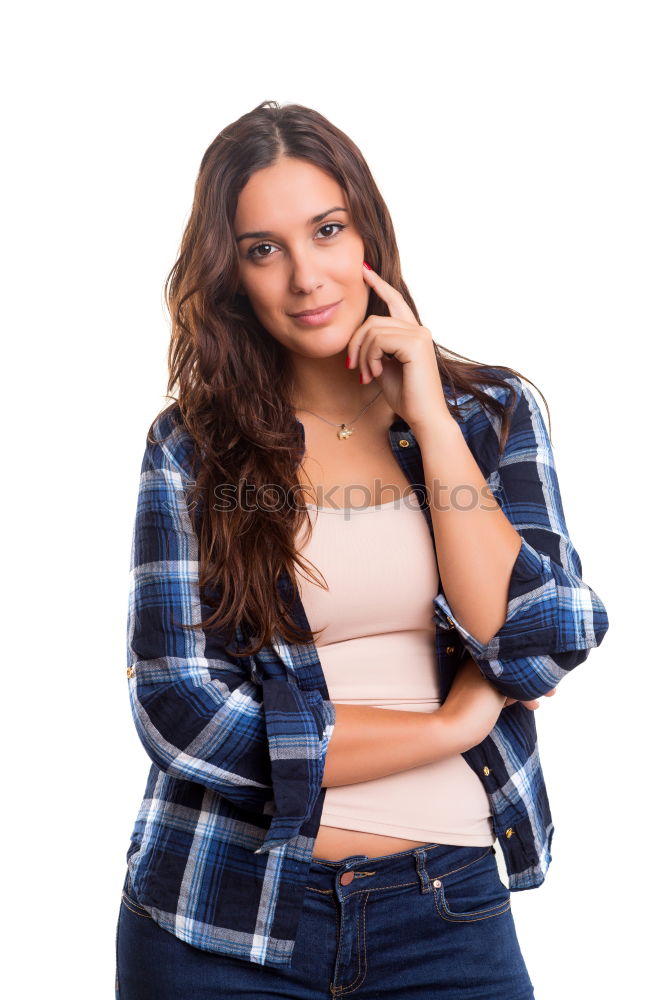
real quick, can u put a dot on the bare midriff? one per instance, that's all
(332, 844)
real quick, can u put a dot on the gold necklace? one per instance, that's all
(345, 430)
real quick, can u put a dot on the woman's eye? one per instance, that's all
(259, 246)
(328, 225)
(337, 226)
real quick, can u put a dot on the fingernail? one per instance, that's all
(360, 376)
(365, 264)
(348, 361)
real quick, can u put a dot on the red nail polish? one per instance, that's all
(361, 377)
(348, 361)
(365, 264)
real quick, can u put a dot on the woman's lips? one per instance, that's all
(318, 318)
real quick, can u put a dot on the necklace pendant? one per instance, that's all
(344, 432)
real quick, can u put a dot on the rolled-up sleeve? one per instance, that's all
(246, 732)
(199, 715)
(553, 617)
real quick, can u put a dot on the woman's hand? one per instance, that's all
(409, 377)
(534, 703)
(473, 704)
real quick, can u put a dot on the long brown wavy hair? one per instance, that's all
(235, 380)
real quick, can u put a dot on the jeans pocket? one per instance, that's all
(472, 892)
(130, 901)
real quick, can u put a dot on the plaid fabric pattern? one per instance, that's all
(221, 847)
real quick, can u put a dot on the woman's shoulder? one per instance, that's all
(169, 444)
(497, 382)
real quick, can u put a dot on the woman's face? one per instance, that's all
(305, 252)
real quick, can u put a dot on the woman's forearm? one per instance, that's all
(371, 742)
(476, 544)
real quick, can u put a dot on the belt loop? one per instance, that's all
(344, 864)
(352, 860)
(420, 858)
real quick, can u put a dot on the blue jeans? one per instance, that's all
(429, 922)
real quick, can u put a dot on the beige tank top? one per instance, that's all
(378, 649)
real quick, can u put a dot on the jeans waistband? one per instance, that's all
(416, 865)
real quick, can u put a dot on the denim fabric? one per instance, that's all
(429, 922)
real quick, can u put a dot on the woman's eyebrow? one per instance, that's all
(310, 222)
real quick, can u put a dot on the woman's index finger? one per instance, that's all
(398, 308)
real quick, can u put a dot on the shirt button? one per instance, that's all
(450, 650)
(509, 832)
(486, 770)
(346, 878)
(130, 671)
(403, 443)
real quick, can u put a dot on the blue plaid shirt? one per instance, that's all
(221, 847)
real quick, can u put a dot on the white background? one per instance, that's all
(520, 149)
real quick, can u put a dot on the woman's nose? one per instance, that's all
(305, 277)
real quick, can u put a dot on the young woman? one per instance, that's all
(351, 583)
